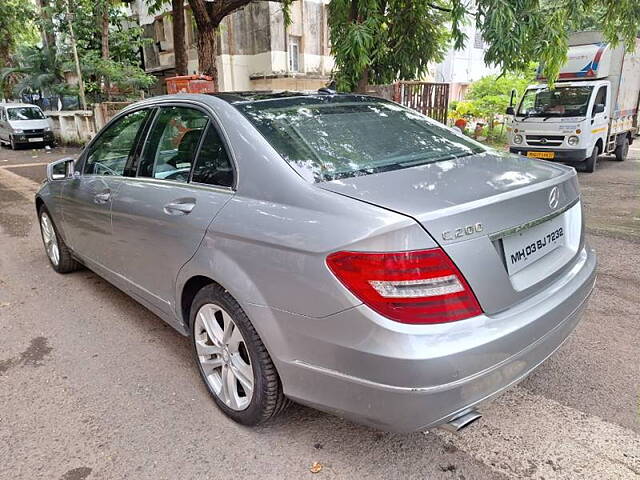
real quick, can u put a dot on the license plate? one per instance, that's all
(36, 139)
(541, 154)
(525, 247)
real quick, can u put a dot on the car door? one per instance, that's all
(160, 216)
(87, 197)
(3, 125)
(600, 120)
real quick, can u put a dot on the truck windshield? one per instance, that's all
(559, 102)
(24, 113)
(338, 137)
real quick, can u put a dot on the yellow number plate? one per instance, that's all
(541, 154)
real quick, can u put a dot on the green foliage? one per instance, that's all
(519, 31)
(122, 68)
(386, 40)
(37, 69)
(125, 37)
(16, 27)
(487, 99)
(491, 95)
(128, 79)
(464, 109)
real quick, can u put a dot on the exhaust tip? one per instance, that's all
(462, 421)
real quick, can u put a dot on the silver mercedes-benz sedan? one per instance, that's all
(336, 250)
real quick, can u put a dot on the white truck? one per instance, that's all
(592, 109)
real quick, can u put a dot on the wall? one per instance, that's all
(461, 67)
(253, 43)
(80, 126)
(73, 126)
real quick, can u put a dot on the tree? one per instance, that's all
(16, 17)
(488, 97)
(379, 41)
(387, 40)
(177, 18)
(37, 70)
(208, 16)
(179, 48)
(46, 25)
(109, 51)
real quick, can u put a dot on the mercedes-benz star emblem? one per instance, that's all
(543, 140)
(554, 197)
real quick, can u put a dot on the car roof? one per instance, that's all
(13, 105)
(261, 95)
(236, 100)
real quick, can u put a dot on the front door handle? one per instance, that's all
(102, 197)
(180, 207)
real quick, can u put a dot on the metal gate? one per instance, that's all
(430, 99)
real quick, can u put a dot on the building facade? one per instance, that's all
(461, 67)
(257, 50)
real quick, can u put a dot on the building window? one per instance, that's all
(478, 42)
(294, 54)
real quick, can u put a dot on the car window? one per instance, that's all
(108, 155)
(25, 113)
(213, 166)
(172, 144)
(601, 99)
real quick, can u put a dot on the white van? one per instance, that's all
(22, 123)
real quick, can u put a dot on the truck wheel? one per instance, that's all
(622, 150)
(590, 163)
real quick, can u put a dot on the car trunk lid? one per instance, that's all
(481, 207)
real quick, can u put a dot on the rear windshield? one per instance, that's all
(24, 113)
(337, 137)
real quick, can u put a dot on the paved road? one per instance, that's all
(92, 385)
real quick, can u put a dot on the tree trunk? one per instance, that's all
(105, 30)
(105, 43)
(363, 82)
(207, 50)
(46, 26)
(177, 12)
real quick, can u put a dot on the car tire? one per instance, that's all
(213, 305)
(590, 163)
(622, 150)
(57, 251)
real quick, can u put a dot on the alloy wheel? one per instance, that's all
(223, 356)
(50, 239)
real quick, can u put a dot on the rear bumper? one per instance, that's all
(560, 155)
(403, 378)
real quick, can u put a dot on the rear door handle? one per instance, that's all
(102, 197)
(182, 206)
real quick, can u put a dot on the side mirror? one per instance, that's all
(510, 111)
(599, 108)
(60, 169)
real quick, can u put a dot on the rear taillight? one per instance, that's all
(422, 286)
